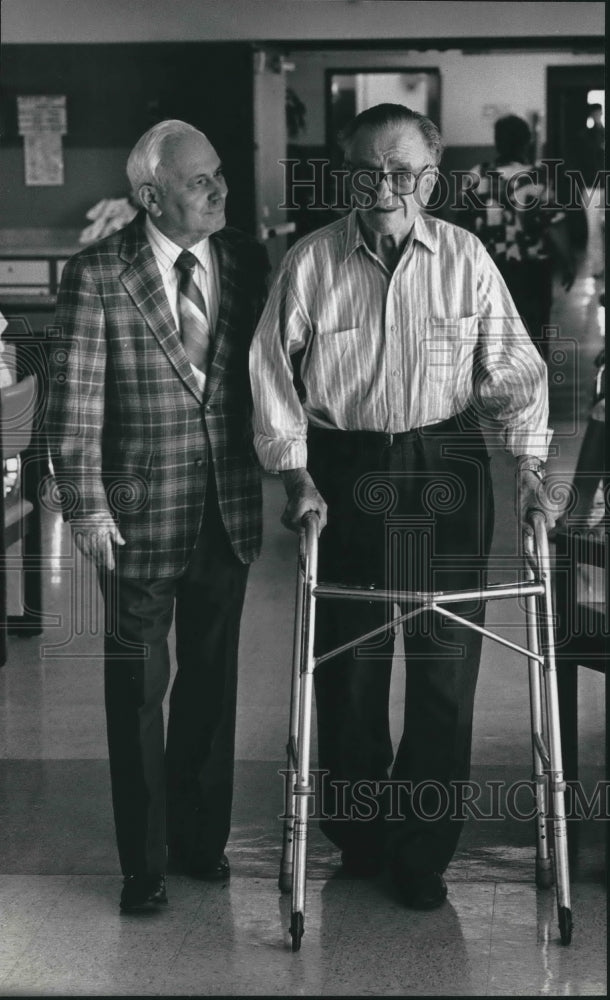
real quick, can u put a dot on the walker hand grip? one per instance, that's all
(535, 544)
(308, 535)
(310, 524)
(308, 517)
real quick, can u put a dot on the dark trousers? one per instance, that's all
(181, 795)
(411, 513)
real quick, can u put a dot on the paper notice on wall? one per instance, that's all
(42, 122)
(42, 114)
(44, 159)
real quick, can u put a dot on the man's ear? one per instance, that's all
(148, 198)
(427, 183)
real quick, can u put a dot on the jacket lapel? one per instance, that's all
(142, 281)
(228, 278)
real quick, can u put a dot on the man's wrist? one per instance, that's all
(293, 478)
(95, 517)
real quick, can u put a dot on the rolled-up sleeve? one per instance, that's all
(280, 424)
(511, 377)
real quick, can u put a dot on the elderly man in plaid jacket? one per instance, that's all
(149, 422)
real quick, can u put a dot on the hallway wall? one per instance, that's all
(94, 163)
(476, 88)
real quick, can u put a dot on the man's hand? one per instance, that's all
(532, 494)
(302, 497)
(95, 536)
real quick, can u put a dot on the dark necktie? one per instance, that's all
(194, 325)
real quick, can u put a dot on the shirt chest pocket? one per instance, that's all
(448, 347)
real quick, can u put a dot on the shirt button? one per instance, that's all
(396, 371)
(199, 462)
(393, 329)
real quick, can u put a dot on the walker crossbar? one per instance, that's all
(427, 598)
(544, 706)
(417, 611)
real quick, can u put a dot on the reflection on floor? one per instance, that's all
(60, 928)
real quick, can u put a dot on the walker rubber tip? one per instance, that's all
(565, 924)
(297, 929)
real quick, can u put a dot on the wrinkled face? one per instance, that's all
(188, 200)
(389, 205)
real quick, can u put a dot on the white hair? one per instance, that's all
(145, 157)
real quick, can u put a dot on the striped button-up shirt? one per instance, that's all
(391, 352)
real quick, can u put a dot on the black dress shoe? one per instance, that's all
(220, 871)
(142, 892)
(358, 864)
(422, 892)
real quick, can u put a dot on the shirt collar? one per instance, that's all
(167, 252)
(424, 230)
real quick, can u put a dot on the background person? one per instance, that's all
(524, 234)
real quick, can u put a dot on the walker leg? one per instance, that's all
(302, 790)
(558, 785)
(287, 861)
(544, 869)
(302, 786)
(555, 768)
(292, 749)
(297, 922)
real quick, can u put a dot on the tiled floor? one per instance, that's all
(60, 928)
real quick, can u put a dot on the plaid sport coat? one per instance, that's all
(128, 427)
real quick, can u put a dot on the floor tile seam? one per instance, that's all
(6, 758)
(173, 958)
(68, 875)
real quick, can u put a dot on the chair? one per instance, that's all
(20, 510)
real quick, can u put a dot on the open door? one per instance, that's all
(568, 88)
(568, 93)
(270, 139)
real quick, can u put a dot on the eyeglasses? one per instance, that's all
(364, 180)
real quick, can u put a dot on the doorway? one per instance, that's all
(570, 90)
(270, 140)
